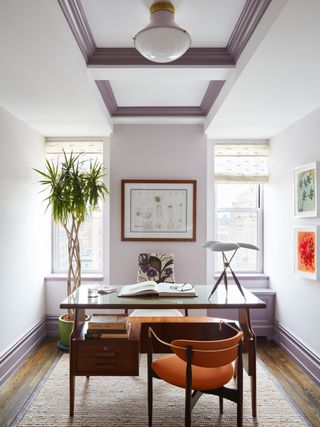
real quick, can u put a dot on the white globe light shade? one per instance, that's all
(162, 40)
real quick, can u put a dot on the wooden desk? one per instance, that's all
(122, 353)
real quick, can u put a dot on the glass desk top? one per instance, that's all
(220, 299)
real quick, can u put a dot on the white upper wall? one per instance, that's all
(24, 230)
(297, 300)
(157, 152)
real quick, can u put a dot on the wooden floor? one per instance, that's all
(17, 391)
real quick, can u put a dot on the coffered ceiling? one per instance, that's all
(104, 31)
(68, 67)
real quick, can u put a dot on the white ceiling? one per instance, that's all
(43, 78)
(281, 82)
(45, 82)
(209, 22)
(138, 94)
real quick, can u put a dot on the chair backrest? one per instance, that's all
(157, 266)
(209, 354)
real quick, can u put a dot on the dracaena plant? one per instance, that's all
(75, 191)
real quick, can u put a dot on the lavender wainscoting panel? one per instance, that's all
(301, 354)
(10, 360)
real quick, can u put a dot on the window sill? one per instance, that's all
(93, 277)
(249, 280)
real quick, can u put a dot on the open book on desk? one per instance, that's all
(151, 288)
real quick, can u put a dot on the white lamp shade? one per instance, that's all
(162, 40)
(162, 44)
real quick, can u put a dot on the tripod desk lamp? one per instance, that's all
(219, 246)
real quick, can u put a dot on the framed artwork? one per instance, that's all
(306, 187)
(306, 247)
(158, 210)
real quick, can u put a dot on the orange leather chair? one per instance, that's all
(200, 367)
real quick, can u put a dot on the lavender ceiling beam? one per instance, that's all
(78, 23)
(211, 95)
(214, 56)
(209, 98)
(129, 56)
(250, 17)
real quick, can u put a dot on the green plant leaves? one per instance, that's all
(74, 192)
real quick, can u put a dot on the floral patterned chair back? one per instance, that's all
(156, 266)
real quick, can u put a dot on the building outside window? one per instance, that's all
(91, 231)
(240, 171)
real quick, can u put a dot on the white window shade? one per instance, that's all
(241, 162)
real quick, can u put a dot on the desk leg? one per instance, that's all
(249, 355)
(79, 318)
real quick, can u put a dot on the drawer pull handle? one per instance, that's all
(103, 354)
(105, 348)
(105, 366)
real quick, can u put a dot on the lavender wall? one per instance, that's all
(297, 299)
(157, 152)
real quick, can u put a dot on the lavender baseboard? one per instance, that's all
(10, 360)
(52, 326)
(48, 326)
(301, 354)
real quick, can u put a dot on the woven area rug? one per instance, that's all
(122, 401)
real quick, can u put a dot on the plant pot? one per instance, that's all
(65, 329)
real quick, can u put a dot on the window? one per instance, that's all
(91, 231)
(240, 170)
(239, 219)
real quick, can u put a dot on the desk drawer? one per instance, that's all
(106, 348)
(109, 366)
(108, 357)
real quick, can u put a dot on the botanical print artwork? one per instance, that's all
(306, 190)
(156, 266)
(159, 210)
(306, 251)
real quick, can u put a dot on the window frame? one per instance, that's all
(54, 226)
(259, 210)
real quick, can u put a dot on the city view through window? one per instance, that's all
(238, 219)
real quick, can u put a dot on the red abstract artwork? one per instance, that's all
(306, 251)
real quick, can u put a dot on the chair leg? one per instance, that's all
(235, 369)
(239, 413)
(221, 404)
(150, 399)
(188, 408)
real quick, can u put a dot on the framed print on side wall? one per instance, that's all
(306, 252)
(306, 187)
(158, 210)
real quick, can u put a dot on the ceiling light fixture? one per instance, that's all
(162, 40)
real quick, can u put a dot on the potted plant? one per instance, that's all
(75, 190)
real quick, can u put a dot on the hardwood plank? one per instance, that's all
(299, 386)
(16, 391)
(20, 385)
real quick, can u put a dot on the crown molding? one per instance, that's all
(211, 94)
(110, 102)
(249, 19)
(78, 23)
(213, 56)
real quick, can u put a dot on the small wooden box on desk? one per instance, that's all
(104, 356)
